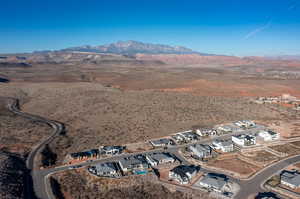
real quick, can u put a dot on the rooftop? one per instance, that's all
(105, 167)
(161, 141)
(160, 156)
(244, 136)
(201, 147)
(133, 160)
(182, 170)
(292, 177)
(213, 180)
(223, 142)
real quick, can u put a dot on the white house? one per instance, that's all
(225, 128)
(244, 140)
(155, 159)
(223, 145)
(245, 123)
(206, 132)
(200, 150)
(269, 135)
(111, 150)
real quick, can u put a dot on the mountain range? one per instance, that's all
(133, 47)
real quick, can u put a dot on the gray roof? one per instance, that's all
(189, 134)
(214, 181)
(105, 167)
(108, 148)
(291, 177)
(200, 147)
(161, 141)
(160, 156)
(224, 142)
(130, 161)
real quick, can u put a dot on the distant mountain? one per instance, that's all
(284, 57)
(133, 47)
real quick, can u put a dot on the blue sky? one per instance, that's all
(231, 27)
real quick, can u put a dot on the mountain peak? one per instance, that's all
(131, 47)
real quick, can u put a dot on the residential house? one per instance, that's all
(269, 135)
(183, 174)
(162, 142)
(189, 135)
(223, 145)
(290, 179)
(155, 159)
(200, 151)
(178, 138)
(206, 132)
(244, 140)
(213, 182)
(223, 129)
(245, 124)
(94, 153)
(111, 150)
(136, 164)
(104, 169)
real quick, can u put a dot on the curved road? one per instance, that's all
(42, 187)
(38, 180)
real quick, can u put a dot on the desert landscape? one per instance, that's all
(112, 99)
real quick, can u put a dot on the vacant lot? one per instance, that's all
(286, 148)
(234, 164)
(262, 156)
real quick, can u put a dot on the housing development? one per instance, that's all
(199, 159)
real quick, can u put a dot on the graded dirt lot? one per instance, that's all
(288, 149)
(262, 157)
(234, 164)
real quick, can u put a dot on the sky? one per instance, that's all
(229, 27)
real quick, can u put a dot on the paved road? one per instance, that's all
(43, 190)
(253, 185)
(37, 179)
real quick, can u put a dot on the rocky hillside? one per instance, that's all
(12, 171)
